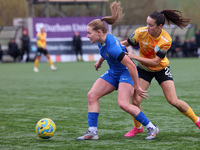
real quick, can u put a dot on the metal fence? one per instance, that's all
(10, 32)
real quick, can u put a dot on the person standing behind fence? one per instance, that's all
(41, 49)
(25, 44)
(175, 49)
(194, 47)
(197, 37)
(13, 50)
(1, 53)
(77, 46)
(186, 48)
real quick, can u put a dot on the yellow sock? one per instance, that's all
(190, 114)
(50, 62)
(137, 123)
(36, 63)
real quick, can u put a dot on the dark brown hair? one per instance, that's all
(172, 17)
(117, 14)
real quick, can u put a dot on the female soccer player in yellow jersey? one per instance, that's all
(152, 61)
(41, 49)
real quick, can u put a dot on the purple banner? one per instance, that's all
(63, 27)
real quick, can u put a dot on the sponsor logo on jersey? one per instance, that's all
(145, 43)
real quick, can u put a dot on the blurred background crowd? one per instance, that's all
(186, 48)
(17, 39)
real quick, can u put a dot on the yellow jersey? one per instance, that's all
(41, 40)
(147, 45)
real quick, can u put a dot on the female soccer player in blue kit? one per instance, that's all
(122, 75)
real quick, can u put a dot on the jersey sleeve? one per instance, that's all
(133, 40)
(162, 52)
(115, 51)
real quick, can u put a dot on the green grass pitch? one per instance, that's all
(26, 97)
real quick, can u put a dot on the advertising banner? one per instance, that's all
(62, 27)
(60, 32)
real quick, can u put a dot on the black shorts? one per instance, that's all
(160, 76)
(41, 51)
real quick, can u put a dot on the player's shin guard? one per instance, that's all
(93, 121)
(190, 114)
(50, 62)
(142, 118)
(36, 62)
(137, 124)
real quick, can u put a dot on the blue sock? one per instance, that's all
(142, 118)
(92, 119)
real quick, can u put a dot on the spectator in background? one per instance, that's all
(194, 47)
(186, 47)
(25, 44)
(175, 49)
(197, 37)
(13, 50)
(1, 53)
(41, 49)
(77, 46)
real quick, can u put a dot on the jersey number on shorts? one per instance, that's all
(167, 72)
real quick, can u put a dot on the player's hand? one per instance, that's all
(141, 92)
(131, 55)
(97, 65)
(125, 43)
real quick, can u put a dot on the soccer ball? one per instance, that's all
(45, 128)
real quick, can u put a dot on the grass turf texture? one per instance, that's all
(26, 97)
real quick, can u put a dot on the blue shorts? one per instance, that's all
(115, 80)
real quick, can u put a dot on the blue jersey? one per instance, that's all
(110, 51)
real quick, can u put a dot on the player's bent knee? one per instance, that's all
(136, 103)
(123, 106)
(91, 97)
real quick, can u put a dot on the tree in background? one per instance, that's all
(10, 9)
(135, 10)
